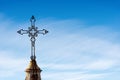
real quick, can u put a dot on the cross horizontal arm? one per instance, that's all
(44, 31)
(21, 31)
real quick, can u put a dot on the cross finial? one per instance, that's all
(32, 33)
(32, 20)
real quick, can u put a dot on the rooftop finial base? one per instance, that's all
(33, 57)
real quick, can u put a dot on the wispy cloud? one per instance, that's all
(74, 76)
(71, 51)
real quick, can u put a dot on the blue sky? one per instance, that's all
(83, 42)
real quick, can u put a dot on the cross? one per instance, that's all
(32, 33)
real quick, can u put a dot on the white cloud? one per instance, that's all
(101, 65)
(10, 65)
(70, 47)
(73, 76)
(96, 65)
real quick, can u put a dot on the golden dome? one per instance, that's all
(33, 66)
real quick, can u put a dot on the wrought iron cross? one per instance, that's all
(32, 33)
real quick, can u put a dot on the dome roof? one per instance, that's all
(33, 66)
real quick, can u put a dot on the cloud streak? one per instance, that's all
(71, 51)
